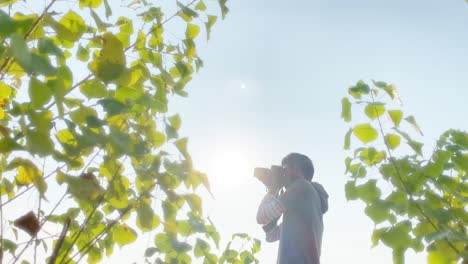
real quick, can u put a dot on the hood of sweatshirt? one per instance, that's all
(323, 196)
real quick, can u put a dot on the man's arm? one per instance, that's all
(270, 208)
(273, 233)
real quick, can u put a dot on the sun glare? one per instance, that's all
(228, 168)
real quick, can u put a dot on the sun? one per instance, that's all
(228, 168)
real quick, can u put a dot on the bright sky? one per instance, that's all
(274, 75)
(275, 72)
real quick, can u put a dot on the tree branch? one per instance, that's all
(397, 169)
(54, 255)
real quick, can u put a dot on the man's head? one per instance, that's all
(297, 166)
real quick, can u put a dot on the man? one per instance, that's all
(302, 206)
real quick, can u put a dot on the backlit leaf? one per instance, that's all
(346, 109)
(412, 121)
(123, 235)
(192, 31)
(365, 132)
(392, 140)
(39, 93)
(396, 116)
(374, 110)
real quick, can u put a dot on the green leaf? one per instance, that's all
(346, 109)
(368, 192)
(192, 31)
(371, 156)
(46, 45)
(175, 121)
(147, 220)
(392, 140)
(110, 64)
(99, 23)
(412, 121)
(107, 8)
(378, 212)
(93, 88)
(82, 54)
(398, 236)
(149, 252)
(348, 139)
(39, 93)
(111, 106)
(374, 110)
(123, 235)
(201, 248)
(438, 257)
(396, 116)
(80, 115)
(365, 132)
(359, 89)
(21, 52)
(224, 8)
(351, 191)
(200, 6)
(209, 24)
(163, 243)
(72, 27)
(194, 202)
(39, 143)
(8, 145)
(389, 89)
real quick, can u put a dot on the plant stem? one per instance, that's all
(406, 189)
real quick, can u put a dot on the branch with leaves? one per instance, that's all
(422, 206)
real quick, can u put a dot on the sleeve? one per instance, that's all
(293, 197)
(270, 208)
(273, 234)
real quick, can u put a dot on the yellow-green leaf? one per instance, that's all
(365, 132)
(374, 110)
(192, 31)
(348, 139)
(396, 116)
(39, 93)
(200, 6)
(123, 235)
(392, 140)
(412, 121)
(346, 109)
(147, 220)
(93, 88)
(209, 24)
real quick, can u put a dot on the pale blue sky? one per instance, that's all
(275, 72)
(274, 75)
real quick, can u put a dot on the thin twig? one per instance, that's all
(1, 231)
(54, 255)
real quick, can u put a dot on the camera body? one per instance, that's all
(272, 178)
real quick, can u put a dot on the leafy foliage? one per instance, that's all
(415, 202)
(84, 111)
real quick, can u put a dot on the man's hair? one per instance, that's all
(302, 162)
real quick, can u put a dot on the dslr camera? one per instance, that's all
(272, 178)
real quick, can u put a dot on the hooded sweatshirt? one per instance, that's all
(302, 228)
